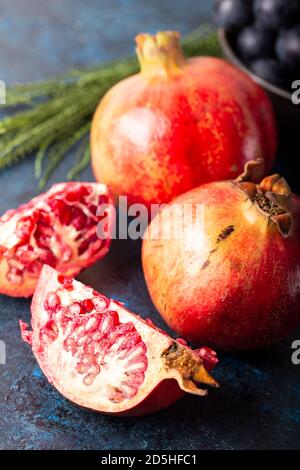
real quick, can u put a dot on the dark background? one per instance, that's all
(258, 405)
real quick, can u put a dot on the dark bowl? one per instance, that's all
(288, 114)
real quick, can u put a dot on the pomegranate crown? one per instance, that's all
(272, 194)
(159, 54)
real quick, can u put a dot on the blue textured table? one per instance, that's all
(258, 405)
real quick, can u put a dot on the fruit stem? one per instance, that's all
(160, 54)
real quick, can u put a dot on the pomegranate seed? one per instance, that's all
(90, 222)
(24, 228)
(209, 357)
(47, 257)
(48, 333)
(83, 247)
(26, 254)
(65, 280)
(70, 345)
(101, 303)
(102, 199)
(43, 235)
(52, 301)
(73, 195)
(79, 218)
(86, 190)
(26, 335)
(93, 242)
(44, 217)
(181, 341)
(93, 209)
(75, 309)
(34, 268)
(2, 250)
(88, 305)
(62, 210)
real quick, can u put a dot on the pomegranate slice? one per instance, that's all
(57, 228)
(101, 356)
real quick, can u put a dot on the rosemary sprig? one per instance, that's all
(52, 116)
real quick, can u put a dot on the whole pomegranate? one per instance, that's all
(231, 276)
(57, 228)
(178, 123)
(103, 357)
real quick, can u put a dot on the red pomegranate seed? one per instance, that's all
(44, 217)
(83, 247)
(65, 280)
(181, 341)
(88, 305)
(43, 235)
(47, 257)
(101, 303)
(75, 309)
(79, 218)
(93, 209)
(74, 195)
(48, 333)
(34, 267)
(209, 357)
(85, 190)
(26, 254)
(62, 210)
(52, 301)
(102, 199)
(24, 228)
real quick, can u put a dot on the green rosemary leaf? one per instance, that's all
(40, 157)
(59, 150)
(81, 165)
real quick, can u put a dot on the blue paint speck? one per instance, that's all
(37, 373)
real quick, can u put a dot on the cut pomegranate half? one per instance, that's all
(57, 228)
(101, 356)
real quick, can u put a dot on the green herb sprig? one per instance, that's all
(51, 117)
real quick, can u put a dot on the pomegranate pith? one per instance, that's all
(232, 281)
(57, 228)
(103, 357)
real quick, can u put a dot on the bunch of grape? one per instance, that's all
(266, 36)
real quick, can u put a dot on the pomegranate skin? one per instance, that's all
(234, 282)
(105, 358)
(156, 135)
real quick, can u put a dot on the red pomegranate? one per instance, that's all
(103, 357)
(57, 228)
(232, 280)
(179, 123)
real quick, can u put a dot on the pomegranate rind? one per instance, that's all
(17, 278)
(169, 367)
(233, 281)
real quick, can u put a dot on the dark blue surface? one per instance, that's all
(258, 405)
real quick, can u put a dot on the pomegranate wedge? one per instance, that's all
(101, 356)
(57, 228)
